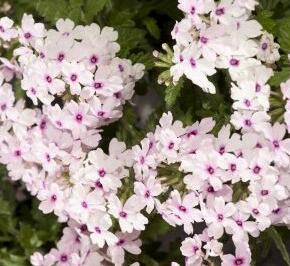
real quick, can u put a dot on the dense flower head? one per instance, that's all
(75, 84)
(233, 183)
(223, 35)
(204, 192)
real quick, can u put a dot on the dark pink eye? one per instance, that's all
(73, 77)
(27, 35)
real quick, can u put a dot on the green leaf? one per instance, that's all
(144, 58)
(280, 77)
(76, 3)
(152, 27)
(172, 93)
(273, 233)
(28, 238)
(265, 19)
(92, 8)
(284, 34)
(52, 11)
(269, 4)
(130, 38)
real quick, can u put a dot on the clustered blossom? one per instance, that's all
(223, 35)
(75, 84)
(205, 194)
(106, 210)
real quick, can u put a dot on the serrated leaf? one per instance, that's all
(273, 233)
(265, 19)
(152, 27)
(269, 4)
(92, 8)
(130, 38)
(52, 11)
(28, 238)
(146, 59)
(280, 77)
(76, 3)
(284, 34)
(172, 92)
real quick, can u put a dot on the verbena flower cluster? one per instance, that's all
(229, 186)
(223, 35)
(75, 84)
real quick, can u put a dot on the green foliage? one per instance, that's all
(23, 228)
(280, 77)
(172, 92)
(274, 234)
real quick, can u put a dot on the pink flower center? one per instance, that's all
(192, 10)
(171, 145)
(222, 150)
(203, 40)
(192, 62)
(210, 170)
(33, 91)
(48, 79)
(3, 107)
(276, 144)
(120, 242)
(147, 194)
(195, 249)
(258, 87)
(27, 35)
(239, 261)
(239, 222)
(99, 184)
(257, 169)
(63, 258)
(182, 208)
(73, 77)
(192, 133)
(53, 198)
(247, 103)
(233, 167)
(123, 214)
(220, 11)
(79, 118)
(93, 59)
(264, 46)
(84, 205)
(42, 124)
(220, 217)
(17, 153)
(255, 211)
(102, 173)
(59, 123)
(142, 160)
(98, 230)
(248, 122)
(98, 85)
(264, 192)
(210, 189)
(60, 57)
(234, 62)
(84, 228)
(121, 68)
(47, 156)
(100, 113)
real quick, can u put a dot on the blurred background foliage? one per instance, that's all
(143, 26)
